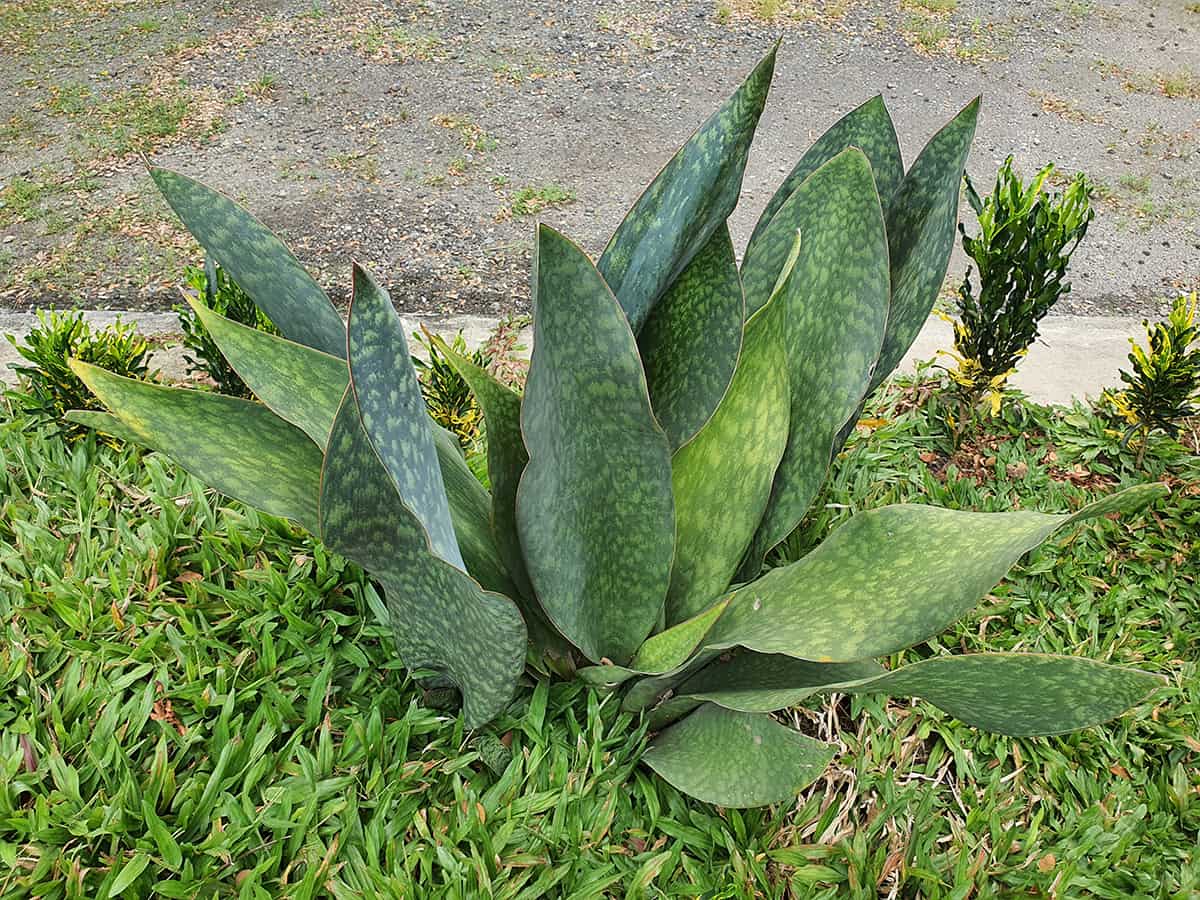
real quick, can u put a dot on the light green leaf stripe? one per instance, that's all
(693, 194)
(921, 222)
(393, 411)
(506, 458)
(594, 507)
(237, 446)
(258, 261)
(1019, 694)
(441, 618)
(690, 342)
(301, 385)
(867, 127)
(105, 422)
(869, 589)
(736, 759)
(765, 682)
(671, 648)
(722, 478)
(837, 307)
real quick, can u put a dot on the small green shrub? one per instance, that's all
(222, 295)
(447, 395)
(1164, 387)
(49, 388)
(1026, 238)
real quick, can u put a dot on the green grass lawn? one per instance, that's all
(197, 700)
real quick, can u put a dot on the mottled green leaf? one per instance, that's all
(765, 682)
(670, 711)
(837, 306)
(649, 690)
(506, 455)
(237, 446)
(690, 341)
(106, 423)
(470, 511)
(921, 221)
(257, 260)
(672, 647)
(867, 127)
(393, 411)
(722, 477)
(736, 759)
(301, 385)
(1019, 694)
(691, 197)
(594, 509)
(441, 618)
(890, 578)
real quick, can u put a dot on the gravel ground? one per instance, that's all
(420, 137)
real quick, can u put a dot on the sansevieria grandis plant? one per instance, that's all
(680, 415)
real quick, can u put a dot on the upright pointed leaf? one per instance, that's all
(921, 221)
(674, 646)
(441, 618)
(1019, 694)
(690, 341)
(736, 759)
(258, 261)
(765, 682)
(890, 578)
(693, 194)
(393, 411)
(506, 458)
(594, 508)
(837, 306)
(867, 127)
(301, 385)
(722, 478)
(237, 446)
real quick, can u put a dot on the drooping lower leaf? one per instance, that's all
(1019, 694)
(736, 759)
(722, 478)
(691, 340)
(890, 578)
(258, 261)
(867, 127)
(594, 508)
(237, 446)
(393, 411)
(921, 221)
(691, 197)
(441, 618)
(506, 458)
(300, 384)
(765, 682)
(837, 307)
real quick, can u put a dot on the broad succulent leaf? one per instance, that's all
(594, 507)
(691, 340)
(690, 199)
(837, 307)
(921, 222)
(442, 619)
(871, 587)
(1019, 694)
(736, 759)
(722, 478)
(257, 260)
(300, 384)
(869, 128)
(506, 457)
(237, 446)
(107, 423)
(765, 682)
(393, 411)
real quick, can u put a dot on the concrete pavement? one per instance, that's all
(1075, 357)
